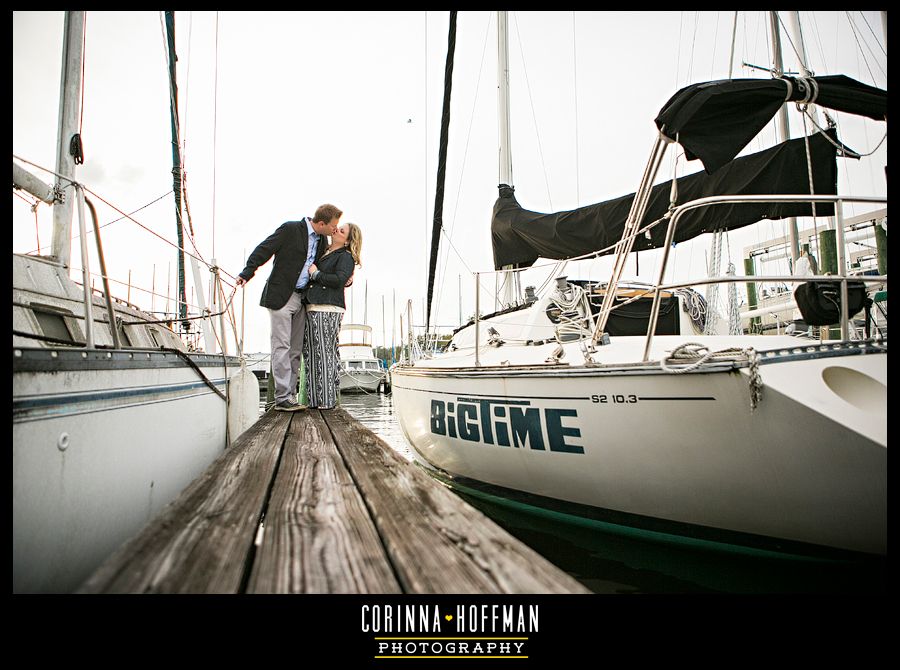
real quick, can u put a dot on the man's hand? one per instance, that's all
(240, 281)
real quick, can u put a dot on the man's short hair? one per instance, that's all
(325, 213)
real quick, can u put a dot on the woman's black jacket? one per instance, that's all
(328, 286)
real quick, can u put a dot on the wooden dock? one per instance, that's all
(314, 502)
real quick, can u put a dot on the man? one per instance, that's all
(296, 245)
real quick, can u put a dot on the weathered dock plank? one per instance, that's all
(200, 543)
(436, 542)
(318, 536)
(341, 512)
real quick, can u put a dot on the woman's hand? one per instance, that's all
(312, 269)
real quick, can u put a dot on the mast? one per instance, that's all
(506, 172)
(800, 46)
(68, 144)
(509, 289)
(784, 130)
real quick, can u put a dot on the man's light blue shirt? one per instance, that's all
(303, 280)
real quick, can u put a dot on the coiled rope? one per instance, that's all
(696, 307)
(575, 316)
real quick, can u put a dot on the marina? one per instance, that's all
(609, 404)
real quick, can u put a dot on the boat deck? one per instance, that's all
(314, 502)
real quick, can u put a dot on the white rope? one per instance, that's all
(694, 352)
(575, 317)
(696, 306)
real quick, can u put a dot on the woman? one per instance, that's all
(324, 311)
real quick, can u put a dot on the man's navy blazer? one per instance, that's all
(289, 244)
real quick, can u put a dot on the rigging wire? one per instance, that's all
(712, 64)
(864, 126)
(877, 41)
(109, 223)
(794, 48)
(33, 205)
(817, 33)
(575, 90)
(855, 31)
(733, 44)
(187, 90)
(533, 114)
(141, 225)
(678, 51)
(693, 45)
(215, 135)
(128, 217)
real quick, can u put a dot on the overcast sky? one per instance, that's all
(283, 111)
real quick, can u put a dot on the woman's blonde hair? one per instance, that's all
(354, 242)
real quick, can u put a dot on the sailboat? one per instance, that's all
(113, 414)
(596, 404)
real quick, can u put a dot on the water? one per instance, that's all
(376, 412)
(607, 563)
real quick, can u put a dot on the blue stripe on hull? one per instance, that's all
(35, 408)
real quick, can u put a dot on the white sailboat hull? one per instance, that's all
(101, 445)
(113, 414)
(808, 465)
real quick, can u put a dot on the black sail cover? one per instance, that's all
(520, 237)
(714, 120)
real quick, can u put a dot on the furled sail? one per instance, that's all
(714, 120)
(520, 236)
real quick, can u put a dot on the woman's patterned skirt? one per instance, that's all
(323, 363)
